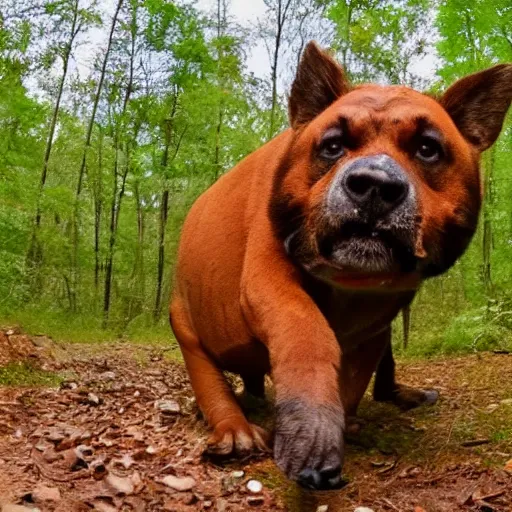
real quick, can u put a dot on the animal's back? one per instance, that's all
(212, 248)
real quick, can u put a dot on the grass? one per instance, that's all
(70, 328)
(26, 375)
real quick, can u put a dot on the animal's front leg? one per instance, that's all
(304, 359)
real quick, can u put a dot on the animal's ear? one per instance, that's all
(319, 82)
(478, 104)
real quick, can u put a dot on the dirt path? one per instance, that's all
(122, 433)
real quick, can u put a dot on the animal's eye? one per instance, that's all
(429, 150)
(331, 147)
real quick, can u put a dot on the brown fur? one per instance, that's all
(243, 303)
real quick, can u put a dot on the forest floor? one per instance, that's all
(114, 427)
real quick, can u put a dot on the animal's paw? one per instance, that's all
(308, 444)
(407, 398)
(236, 437)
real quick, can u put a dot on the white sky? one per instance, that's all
(244, 12)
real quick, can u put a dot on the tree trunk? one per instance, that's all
(35, 251)
(81, 172)
(164, 210)
(281, 20)
(487, 225)
(115, 209)
(98, 207)
(97, 99)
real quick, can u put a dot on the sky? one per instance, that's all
(244, 12)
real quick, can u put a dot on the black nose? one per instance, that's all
(321, 480)
(374, 186)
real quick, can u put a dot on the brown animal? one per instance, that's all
(295, 262)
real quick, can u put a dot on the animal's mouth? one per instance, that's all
(362, 256)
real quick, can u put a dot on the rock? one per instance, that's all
(507, 401)
(151, 450)
(93, 399)
(254, 486)
(42, 493)
(107, 376)
(168, 407)
(179, 484)
(255, 501)
(237, 474)
(322, 508)
(120, 485)
(363, 509)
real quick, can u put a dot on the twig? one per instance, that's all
(389, 504)
(475, 442)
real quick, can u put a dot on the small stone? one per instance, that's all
(69, 385)
(108, 376)
(255, 501)
(168, 407)
(93, 399)
(254, 486)
(18, 434)
(179, 484)
(136, 394)
(237, 474)
(120, 485)
(42, 493)
(507, 401)
(126, 461)
(151, 450)
(508, 467)
(322, 508)
(207, 504)
(363, 509)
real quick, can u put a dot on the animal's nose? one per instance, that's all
(374, 185)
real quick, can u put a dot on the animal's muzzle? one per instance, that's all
(373, 187)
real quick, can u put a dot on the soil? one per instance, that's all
(121, 432)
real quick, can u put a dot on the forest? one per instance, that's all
(116, 114)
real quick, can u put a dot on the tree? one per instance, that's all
(67, 21)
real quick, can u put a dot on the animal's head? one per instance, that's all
(380, 187)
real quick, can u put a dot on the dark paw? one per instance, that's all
(308, 444)
(407, 398)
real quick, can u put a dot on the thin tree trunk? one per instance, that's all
(98, 207)
(281, 20)
(34, 252)
(487, 228)
(116, 202)
(97, 99)
(83, 164)
(164, 210)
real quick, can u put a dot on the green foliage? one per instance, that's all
(178, 108)
(25, 375)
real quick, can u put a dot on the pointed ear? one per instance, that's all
(478, 104)
(319, 82)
